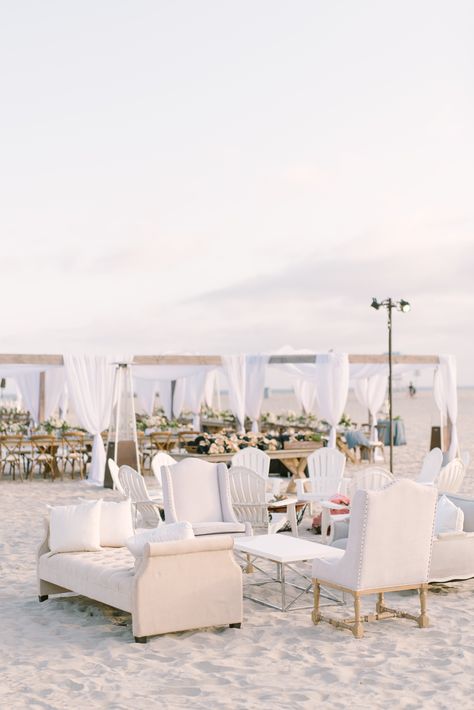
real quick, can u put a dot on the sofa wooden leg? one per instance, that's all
(42, 597)
(316, 616)
(235, 626)
(423, 620)
(141, 639)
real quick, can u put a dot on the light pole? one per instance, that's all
(404, 307)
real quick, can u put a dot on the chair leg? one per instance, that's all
(141, 639)
(316, 616)
(42, 597)
(380, 603)
(235, 626)
(423, 620)
(357, 629)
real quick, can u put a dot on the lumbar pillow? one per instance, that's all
(163, 533)
(449, 518)
(75, 528)
(116, 524)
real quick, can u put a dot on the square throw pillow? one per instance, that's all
(449, 518)
(75, 528)
(116, 524)
(163, 533)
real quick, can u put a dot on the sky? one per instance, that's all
(236, 176)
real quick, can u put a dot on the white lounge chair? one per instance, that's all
(451, 477)
(385, 552)
(254, 459)
(430, 467)
(134, 487)
(249, 500)
(369, 479)
(326, 471)
(199, 492)
(160, 459)
(114, 469)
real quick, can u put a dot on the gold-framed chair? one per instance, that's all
(74, 452)
(42, 456)
(11, 455)
(388, 550)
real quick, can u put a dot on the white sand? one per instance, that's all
(71, 652)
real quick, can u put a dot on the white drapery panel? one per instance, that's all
(255, 370)
(189, 394)
(449, 375)
(211, 384)
(164, 389)
(28, 384)
(90, 381)
(234, 369)
(305, 393)
(370, 391)
(332, 386)
(439, 394)
(54, 390)
(146, 392)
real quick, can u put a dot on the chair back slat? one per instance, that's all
(253, 459)
(326, 470)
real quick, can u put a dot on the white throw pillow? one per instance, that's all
(116, 524)
(75, 528)
(163, 533)
(449, 518)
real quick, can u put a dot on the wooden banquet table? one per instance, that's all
(293, 459)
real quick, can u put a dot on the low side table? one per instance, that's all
(284, 551)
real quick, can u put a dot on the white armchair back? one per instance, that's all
(369, 479)
(390, 537)
(197, 491)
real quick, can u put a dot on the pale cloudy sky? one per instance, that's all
(223, 176)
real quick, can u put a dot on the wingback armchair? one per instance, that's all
(199, 492)
(388, 549)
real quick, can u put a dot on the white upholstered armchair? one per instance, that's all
(388, 549)
(199, 492)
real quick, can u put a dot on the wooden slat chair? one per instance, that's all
(388, 550)
(74, 452)
(43, 455)
(11, 447)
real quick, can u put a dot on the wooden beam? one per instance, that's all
(212, 360)
(31, 360)
(216, 360)
(42, 396)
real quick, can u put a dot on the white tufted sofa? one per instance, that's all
(176, 586)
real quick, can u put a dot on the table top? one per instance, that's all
(284, 548)
(279, 454)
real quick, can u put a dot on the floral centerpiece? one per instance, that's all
(227, 442)
(54, 425)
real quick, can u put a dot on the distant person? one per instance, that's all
(411, 389)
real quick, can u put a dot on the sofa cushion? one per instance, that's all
(116, 524)
(75, 528)
(106, 575)
(449, 518)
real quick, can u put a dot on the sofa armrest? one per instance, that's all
(204, 543)
(43, 547)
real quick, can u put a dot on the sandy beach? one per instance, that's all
(73, 652)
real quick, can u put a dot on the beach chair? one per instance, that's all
(254, 459)
(451, 477)
(430, 467)
(382, 555)
(160, 459)
(249, 500)
(336, 526)
(199, 492)
(146, 509)
(326, 471)
(114, 469)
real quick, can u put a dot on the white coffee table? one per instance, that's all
(284, 551)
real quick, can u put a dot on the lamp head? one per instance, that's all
(375, 304)
(404, 306)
